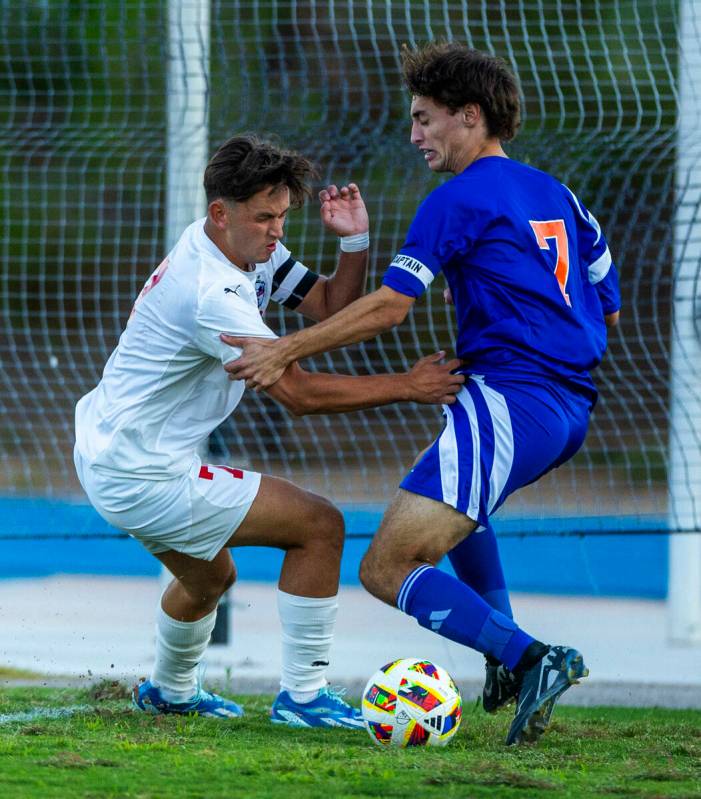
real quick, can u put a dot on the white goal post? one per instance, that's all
(684, 593)
(187, 113)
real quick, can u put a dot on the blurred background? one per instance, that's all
(109, 112)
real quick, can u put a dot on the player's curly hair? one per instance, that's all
(453, 75)
(246, 164)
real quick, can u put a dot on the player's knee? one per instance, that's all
(371, 576)
(228, 580)
(329, 525)
(365, 574)
(210, 591)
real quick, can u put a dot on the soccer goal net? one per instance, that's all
(107, 105)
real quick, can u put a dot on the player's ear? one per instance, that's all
(471, 114)
(219, 213)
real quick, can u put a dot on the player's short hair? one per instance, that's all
(453, 75)
(246, 164)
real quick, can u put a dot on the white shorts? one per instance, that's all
(195, 513)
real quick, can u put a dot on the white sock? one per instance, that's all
(303, 697)
(180, 646)
(307, 633)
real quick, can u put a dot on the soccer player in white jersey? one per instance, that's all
(534, 289)
(163, 391)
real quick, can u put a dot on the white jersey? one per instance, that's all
(164, 390)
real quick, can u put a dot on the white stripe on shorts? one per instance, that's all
(448, 454)
(503, 442)
(468, 404)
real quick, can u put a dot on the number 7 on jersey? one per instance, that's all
(555, 229)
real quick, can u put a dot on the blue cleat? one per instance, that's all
(543, 684)
(329, 709)
(147, 697)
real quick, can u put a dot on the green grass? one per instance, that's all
(109, 751)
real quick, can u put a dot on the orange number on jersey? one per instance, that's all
(555, 229)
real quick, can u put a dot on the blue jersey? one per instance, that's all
(528, 267)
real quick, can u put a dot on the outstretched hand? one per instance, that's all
(261, 363)
(343, 211)
(432, 381)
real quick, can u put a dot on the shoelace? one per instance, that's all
(336, 694)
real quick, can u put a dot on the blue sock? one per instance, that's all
(440, 602)
(477, 563)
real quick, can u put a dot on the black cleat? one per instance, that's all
(542, 685)
(500, 687)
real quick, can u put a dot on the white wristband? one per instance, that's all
(356, 243)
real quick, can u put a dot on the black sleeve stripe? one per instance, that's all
(301, 290)
(281, 273)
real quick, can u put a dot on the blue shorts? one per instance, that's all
(499, 437)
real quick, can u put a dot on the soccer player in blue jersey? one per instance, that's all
(534, 289)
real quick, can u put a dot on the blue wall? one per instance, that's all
(34, 541)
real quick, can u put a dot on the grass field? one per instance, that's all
(107, 750)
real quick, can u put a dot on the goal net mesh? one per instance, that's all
(83, 192)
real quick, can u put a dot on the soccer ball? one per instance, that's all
(411, 702)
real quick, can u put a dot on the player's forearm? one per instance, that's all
(348, 281)
(318, 392)
(361, 320)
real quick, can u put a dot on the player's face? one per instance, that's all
(440, 134)
(255, 226)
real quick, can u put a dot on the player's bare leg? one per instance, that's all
(283, 516)
(310, 529)
(406, 521)
(415, 531)
(185, 620)
(485, 574)
(399, 569)
(198, 585)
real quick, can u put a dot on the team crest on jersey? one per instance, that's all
(260, 292)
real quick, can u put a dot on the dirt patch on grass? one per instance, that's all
(109, 690)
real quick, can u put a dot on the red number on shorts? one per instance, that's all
(206, 474)
(233, 472)
(555, 229)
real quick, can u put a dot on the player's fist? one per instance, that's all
(432, 382)
(343, 211)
